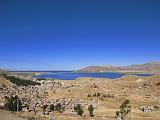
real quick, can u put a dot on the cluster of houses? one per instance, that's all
(33, 97)
(149, 108)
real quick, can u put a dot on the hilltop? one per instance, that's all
(3, 81)
(150, 67)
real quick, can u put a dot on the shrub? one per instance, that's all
(44, 107)
(13, 104)
(59, 107)
(19, 81)
(90, 109)
(89, 95)
(125, 108)
(104, 96)
(78, 109)
(98, 95)
(94, 95)
(51, 107)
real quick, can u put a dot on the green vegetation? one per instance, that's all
(78, 109)
(19, 81)
(51, 107)
(59, 107)
(125, 108)
(100, 96)
(13, 104)
(90, 109)
(44, 107)
(39, 79)
(89, 95)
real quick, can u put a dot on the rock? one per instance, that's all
(147, 108)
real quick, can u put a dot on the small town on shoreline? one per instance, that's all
(79, 60)
(34, 98)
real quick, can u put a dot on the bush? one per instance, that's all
(19, 81)
(104, 96)
(98, 95)
(51, 107)
(44, 107)
(88, 95)
(78, 109)
(13, 104)
(125, 108)
(59, 107)
(90, 109)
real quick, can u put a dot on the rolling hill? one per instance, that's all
(150, 67)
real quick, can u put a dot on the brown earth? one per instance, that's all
(141, 91)
(5, 115)
(150, 67)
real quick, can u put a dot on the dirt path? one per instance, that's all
(5, 115)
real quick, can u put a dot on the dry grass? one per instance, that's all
(3, 81)
(128, 87)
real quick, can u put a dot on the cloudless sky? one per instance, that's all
(70, 34)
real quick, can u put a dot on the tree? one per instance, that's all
(125, 108)
(88, 95)
(44, 107)
(90, 109)
(78, 109)
(51, 107)
(98, 95)
(19, 81)
(59, 107)
(13, 104)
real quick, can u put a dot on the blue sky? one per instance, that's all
(70, 34)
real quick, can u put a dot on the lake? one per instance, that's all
(73, 75)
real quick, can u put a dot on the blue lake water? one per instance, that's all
(73, 75)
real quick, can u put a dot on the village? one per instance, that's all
(105, 95)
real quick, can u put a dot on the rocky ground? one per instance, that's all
(106, 95)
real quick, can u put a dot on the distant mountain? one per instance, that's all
(150, 67)
(100, 68)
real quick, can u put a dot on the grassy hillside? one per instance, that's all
(3, 81)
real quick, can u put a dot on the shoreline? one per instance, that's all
(118, 75)
(83, 90)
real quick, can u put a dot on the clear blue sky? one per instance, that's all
(70, 34)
